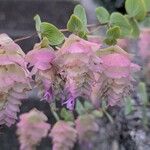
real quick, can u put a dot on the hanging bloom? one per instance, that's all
(86, 127)
(144, 43)
(118, 69)
(31, 129)
(76, 62)
(63, 135)
(14, 79)
(41, 60)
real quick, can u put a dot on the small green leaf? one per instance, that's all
(88, 105)
(102, 15)
(143, 93)
(128, 106)
(66, 115)
(37, 20)
(79, 11)
(121, 21)
(113, 32)
(98, 113)
(147, 4)
(135, 29)
(53, 34)
(74, 24)
(79, 108)
(110, 41)
(136, 8)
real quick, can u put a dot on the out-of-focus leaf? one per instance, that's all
(66, 115)
(128, 106)
(147, 4)
(98, 113)
(79, 11)
(102, 15)
(79, 108)
(37, 20)
(74, 24)
(143, 93)
(117, 19)
(135, 29)
(113, 32)
(136, 8)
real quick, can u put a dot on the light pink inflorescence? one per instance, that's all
(76, 70)
(14, 79)
(31, 129)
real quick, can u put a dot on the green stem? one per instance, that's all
(53, 110)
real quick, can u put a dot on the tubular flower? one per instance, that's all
(86, 127)
(31, 129)
(77, 62)
(41, 60)
(64, 136)
(118, 69)
(14, 79)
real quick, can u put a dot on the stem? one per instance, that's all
(53, 110)
(26, 37)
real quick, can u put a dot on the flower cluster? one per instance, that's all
(144, 51)
(86, 126)
(31, 129)
(14, 79)
(63, 135)
(80, 72)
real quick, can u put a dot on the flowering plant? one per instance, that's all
(79, 76)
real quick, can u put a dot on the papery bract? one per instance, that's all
(14, 79)
(31, 129)
(41, 60)
(76, 62)
(63, 135)
(118, 69)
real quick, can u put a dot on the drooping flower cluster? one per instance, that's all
(41, 60)
(63, 135)
(14, 79)
(144, 51)
(118, 71)
(86, 127)
(31, 129)
(77, 70)
(77, 63)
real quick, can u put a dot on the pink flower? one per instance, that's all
(14, 79)
(144, 43)
(31, 129)
(41, 59)
(63, 135)
(118, 69)
(77, 62)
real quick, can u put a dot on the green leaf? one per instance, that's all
(98, 113)
(74, 24)
(135, 29)
(53, 34)
(128, 106)
(112, 35)
(66, 115)
(37, 20)
(117, 19)
(79, 108)
(143, 93)
(102, 15)
(79, 11)
(88, 105)
(113, 32)
(147, 4)
(110, 41)
(136, 8)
